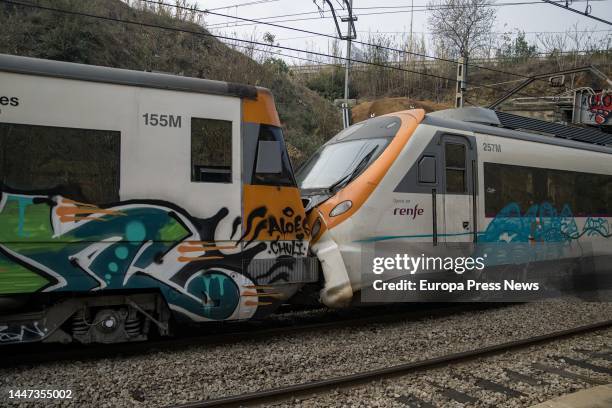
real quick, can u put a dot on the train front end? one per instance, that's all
(344, 185)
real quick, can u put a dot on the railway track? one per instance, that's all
(316, 388)
(37, 353)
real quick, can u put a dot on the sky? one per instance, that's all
(392, 18)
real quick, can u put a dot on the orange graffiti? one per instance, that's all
(200, 247)
(258, 287)
(255, 294)
(250, 303)
(72, 213)
(69, 201)
(198, 258)
(69, 219)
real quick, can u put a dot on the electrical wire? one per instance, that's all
(353, 41)
(251, 3)
(252, 42)
(403, 10)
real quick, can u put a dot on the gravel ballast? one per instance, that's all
(204, 371)
(462, 377)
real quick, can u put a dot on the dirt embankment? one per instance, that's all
(367, 109)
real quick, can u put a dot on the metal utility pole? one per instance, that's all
(461, 85)
(351, 35)
(346, 120)
(411, 18)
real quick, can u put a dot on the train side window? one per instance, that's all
(427, 169)
(584, 194)
(454, 156)
(80, 164)
(211, 150)
(609, 195)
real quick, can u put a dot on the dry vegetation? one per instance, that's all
(308, 119)
(304, 100)
(378, 107)
(416, 77)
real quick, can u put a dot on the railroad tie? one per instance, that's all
(452, 394)
(602, 355)
(498, 388)
(520, 377)
(414, 402)
(567, 374)
(585, 364)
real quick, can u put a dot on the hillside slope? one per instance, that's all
(308, 119)
(366, 109)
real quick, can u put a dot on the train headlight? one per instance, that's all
(341, 208)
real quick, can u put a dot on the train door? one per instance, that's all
(456, 222)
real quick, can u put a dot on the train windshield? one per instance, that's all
(338, 162)
(347, 154)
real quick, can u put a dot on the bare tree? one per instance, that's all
(465, 25)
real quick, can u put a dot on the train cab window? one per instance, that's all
(427, 169)
(211, 151)
(455, 169)
(80, 164)
(273, 166)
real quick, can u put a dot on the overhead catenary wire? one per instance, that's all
(250, 3)
(251, 42)
(496, 33)
(354, 41)
(403, 10)
(586, 13)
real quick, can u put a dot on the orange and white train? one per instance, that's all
(469, 176)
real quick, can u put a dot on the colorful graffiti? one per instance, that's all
(541, 233)
(21, 332)
(600, 107)
(541, 223)
(51, 243)
(594, 108)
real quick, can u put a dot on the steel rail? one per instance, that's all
(319, 386)
(37, 353)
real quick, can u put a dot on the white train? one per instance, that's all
(129, 199)
(468, 175)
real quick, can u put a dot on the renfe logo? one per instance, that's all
(413, 212)
(9, 100)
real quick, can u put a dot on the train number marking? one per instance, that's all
(155, 119)
(491, 147)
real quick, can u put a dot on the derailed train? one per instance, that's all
(130, 200)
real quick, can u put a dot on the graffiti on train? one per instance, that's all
(541, 223)
(21, 332)
(52, 243)
(261, 225)
(291, 248)
(541, 233)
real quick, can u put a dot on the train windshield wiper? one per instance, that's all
(349, 177)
